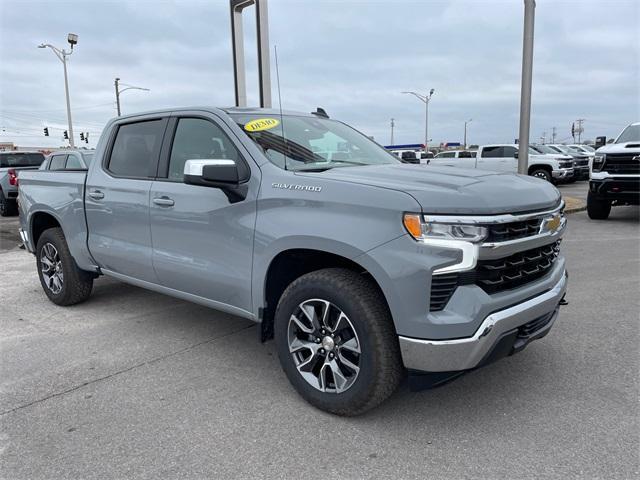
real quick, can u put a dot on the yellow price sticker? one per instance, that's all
(261, 124)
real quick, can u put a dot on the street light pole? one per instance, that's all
(425, 99)
(118, 92)
(525, 93)
(392, 125)
(62, 56)
(117, 96)
(465, 132)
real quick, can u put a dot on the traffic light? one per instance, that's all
(81, 137)
(86, 137)
(66, 135)
(46, 131)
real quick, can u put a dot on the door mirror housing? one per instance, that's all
(216, 173)
(600, 142)
(515, 155)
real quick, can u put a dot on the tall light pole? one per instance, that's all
(525, 92)
(62, 55)
(392, 125)
(465, 132)
(119, 91)
(425, 99)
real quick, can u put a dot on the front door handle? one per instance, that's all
(164, 201)
(96, 195)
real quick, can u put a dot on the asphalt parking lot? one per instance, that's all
(132, 384)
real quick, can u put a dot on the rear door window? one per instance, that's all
(136, 149)
(57, 162)
(509, 152)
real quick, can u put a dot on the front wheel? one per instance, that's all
(597, 208)
(336, 341)
(542, 174)
(62, 281)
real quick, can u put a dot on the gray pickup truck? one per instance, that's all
(11, 163)
(362, 268)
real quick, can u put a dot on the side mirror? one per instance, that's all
(216, 173)
(600, 142)
(515, 155)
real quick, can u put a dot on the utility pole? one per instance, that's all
(62, 55)
(465, 132)
(392, 125)
(525, 91)
(544, 137)
(553, 135)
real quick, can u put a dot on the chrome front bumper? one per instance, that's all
(562, 173)
(467, 353)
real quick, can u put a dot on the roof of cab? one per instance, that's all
(229, 110)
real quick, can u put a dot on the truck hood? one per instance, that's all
(452, 190)
(627, 147)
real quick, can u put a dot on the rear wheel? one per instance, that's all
(62, 281)
(336, 341)
(597, 208)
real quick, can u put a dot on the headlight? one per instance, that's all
(566, 164)
(420, 228)
(598, 163)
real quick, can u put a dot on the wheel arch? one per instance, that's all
(291, 264)
(39, 222)
(539, 166)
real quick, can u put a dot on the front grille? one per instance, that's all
(495, 276)
(623, 164)
(501, 232)
(581, 163)
(516, 270)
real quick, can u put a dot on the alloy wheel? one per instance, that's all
(324, 346)
(51, 268)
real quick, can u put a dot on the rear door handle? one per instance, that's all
(164, 201)
(96, 195)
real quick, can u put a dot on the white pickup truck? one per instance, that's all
(504, 158)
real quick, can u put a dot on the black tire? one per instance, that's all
(597, 208)
(77, 284)
(7, 207)
(381, 368)
(542, 174)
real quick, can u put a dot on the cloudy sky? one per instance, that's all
(351, 57)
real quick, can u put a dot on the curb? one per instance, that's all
(575, 205)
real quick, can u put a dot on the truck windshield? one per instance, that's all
(307, 143)
(544, 149)
(17, 159)
(630, 134)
